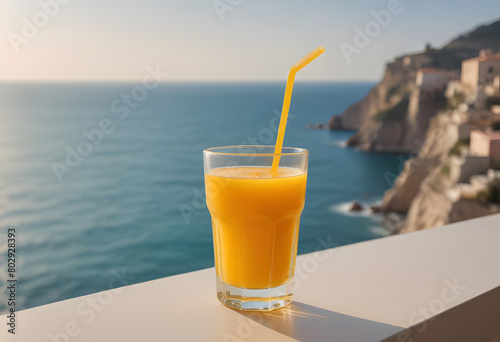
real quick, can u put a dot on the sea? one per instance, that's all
(100, 179)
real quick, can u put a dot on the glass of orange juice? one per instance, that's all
(255, 220)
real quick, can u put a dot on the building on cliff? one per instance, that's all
(486, 143)
(414, 61)
(481, 70)
(432, 82)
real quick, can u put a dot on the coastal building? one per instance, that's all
(485, 143)
(432, 81)
(496, 110)
(416, 60)
(481, 70)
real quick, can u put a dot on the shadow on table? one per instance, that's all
(305, 322)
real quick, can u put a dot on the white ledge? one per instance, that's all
(440, 284)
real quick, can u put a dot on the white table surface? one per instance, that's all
(367, 291)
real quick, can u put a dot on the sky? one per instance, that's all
(222, 40)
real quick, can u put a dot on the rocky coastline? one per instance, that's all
(422, 107)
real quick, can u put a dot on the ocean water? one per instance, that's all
(134, 203)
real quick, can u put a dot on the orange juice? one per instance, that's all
(255, 220)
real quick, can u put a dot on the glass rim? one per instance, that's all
(211, 150)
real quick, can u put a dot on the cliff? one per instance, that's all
(395, 115)
(441, 137)
(443, 182)
(429, 189)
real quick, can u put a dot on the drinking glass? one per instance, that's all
(255, 221)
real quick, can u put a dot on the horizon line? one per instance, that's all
(184, 81)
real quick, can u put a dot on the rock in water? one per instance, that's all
(356, 207)
(318, 125)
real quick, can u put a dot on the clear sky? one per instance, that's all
(256, 40)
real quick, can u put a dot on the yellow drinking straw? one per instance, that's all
(286, 102)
